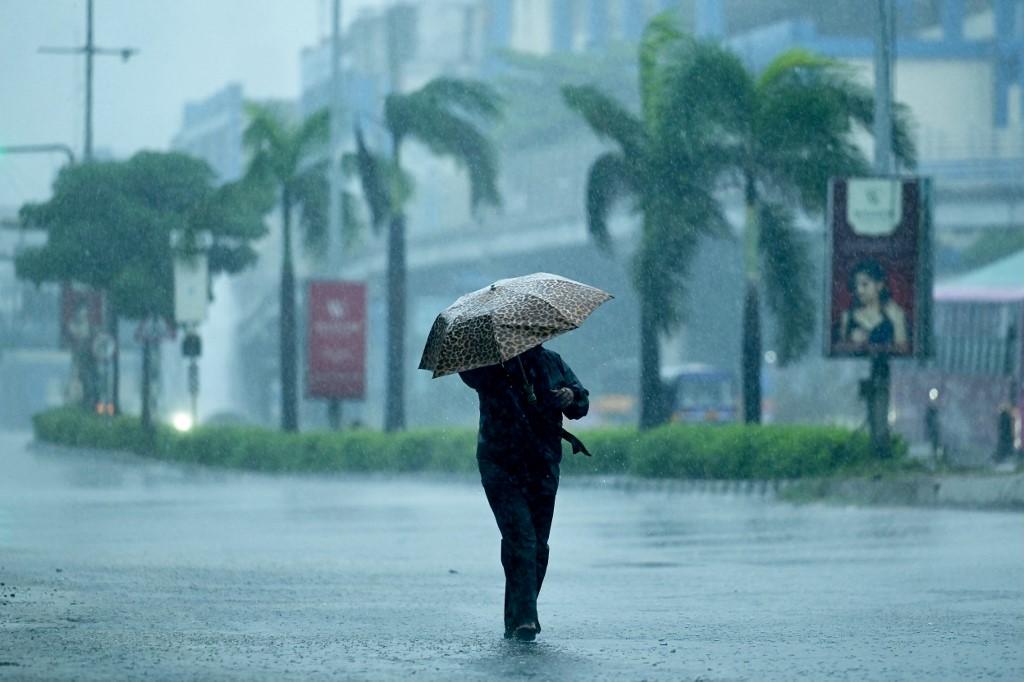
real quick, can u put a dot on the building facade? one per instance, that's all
(956, 70)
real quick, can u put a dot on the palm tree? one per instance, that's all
(285, 156)
(793, 127)
(443, 115)
(666, 162)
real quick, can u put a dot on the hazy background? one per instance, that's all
(188, 50)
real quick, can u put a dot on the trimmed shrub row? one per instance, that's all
(676, 451)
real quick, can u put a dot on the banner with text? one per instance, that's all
(336, 337)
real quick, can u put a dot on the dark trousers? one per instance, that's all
(522, 498)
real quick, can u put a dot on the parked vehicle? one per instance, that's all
(700, 393)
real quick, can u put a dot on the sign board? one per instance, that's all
(191, 294)
(879, 269)
(336, 337)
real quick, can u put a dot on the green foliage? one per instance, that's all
(691, 451)
(445, 116)
(796, 127)
(609, 119)
(281, 164)
(668, 162)
(788, 276)
(750, 452)
(531, 87)
(611, 449)
(386, 187)
(671, 184)
(109, 226)
(72, 427)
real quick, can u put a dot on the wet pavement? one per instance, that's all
(118, 568)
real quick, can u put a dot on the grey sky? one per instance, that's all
(189, 49)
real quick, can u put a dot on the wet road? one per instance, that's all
(117, 568)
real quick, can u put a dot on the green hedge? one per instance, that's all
(697, 451)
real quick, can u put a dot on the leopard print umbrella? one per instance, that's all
(502, 320)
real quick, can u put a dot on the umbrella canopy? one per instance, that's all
(502, 320)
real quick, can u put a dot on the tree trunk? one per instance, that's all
(394, 409)
(878, 405)
(751, 355)
(115, 360)
(89, 376)
(334, 414)
(289, 359)
(147, 372)
(394, 400)
(652, 392)
(750, 352)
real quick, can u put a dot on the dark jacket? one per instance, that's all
(511, 428)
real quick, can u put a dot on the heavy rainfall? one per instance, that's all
(310, 311)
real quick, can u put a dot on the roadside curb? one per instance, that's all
(962, 491)
(997, 492)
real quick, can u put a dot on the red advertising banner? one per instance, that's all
(879, 268)
(336, 352)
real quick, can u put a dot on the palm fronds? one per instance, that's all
(788, 278)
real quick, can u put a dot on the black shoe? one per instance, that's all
(526, 632)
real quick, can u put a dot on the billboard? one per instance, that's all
(879, 270)
(336, 338)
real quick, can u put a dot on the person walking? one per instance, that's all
(493, 339)
(519, 449)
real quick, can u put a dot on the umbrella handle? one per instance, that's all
(531, 397)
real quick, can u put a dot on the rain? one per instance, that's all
(310, 311)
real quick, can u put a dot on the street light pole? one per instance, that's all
(89, 50)
(879, 383)
(884, 88)
(89, 47)
(335, 207)
(39, 149)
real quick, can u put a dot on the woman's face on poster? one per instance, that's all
(868, 290)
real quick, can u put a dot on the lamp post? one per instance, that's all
(335, 206)
(90, 50)
(878, 386)
(191, 298)
(39, 149)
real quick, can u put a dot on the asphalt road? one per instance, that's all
(118, 568)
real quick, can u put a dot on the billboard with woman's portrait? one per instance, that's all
(879, 268)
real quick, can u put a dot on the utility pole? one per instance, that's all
(878, 385)
(884, 88)
(394, 403)
(334, 206)
(90, 50)
(334, 152)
